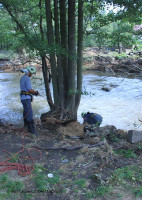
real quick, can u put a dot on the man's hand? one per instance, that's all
(37, 93)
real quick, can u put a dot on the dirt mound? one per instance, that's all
(71, 129)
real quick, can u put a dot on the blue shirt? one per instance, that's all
(25, 85)
(92, 118)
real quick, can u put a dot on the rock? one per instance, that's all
(106, 89)
(134, 136)
(65, 161)
(98, 179)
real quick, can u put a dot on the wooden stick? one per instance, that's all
(68, 148)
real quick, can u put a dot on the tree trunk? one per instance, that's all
(59, 63)
(46, 82)
(51, 44)
(70, 102)
(63, 34)
(79, 53)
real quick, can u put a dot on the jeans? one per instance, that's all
(27, 112)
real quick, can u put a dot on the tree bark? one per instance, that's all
(63, 33)
(51, 44)
(46, 82)
(79, 53)
(70, 102)
(59, 64)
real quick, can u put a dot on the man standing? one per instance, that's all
(26, 98)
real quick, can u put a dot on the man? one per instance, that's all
(26, 98)
(92, 118)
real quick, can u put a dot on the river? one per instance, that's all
(121, 106)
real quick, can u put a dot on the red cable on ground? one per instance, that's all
(23, 169)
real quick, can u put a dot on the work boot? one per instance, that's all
(32, 128)
(26, 124)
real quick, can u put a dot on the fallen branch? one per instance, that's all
(68, 148)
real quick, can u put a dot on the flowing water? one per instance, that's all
(121, 106)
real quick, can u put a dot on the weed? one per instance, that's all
(138, 191)
(80, 183)
(4, 196)
(121, 174)
(14, 186)
(75, 173)
(122, 55)
(102, 190)
(15, 158)
(139, 147)
(3, 178)
(114, 138)
(9, 185)
(129, 153)
(27, 196)
(90, 195)
(43, 182)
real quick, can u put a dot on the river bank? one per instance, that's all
(93, 59)
(95, 168)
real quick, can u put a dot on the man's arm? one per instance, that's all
(33, 92)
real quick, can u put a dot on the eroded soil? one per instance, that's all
(76, 173)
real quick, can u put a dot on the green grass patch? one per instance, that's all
(80, 183)
(43, 182)
(130, 177)
(127, 153)
(9, 188)
(101, 191)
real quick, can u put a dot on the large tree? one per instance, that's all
(54, 29)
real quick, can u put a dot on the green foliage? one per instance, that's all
(9, 185)
(80, 183)
(138, 191)
(129, 153)
(102, 190)
(122, 32)
(121, 56)
(43, 182)
(128, 173)
(89, 41)
(131, 9)
(6, 31)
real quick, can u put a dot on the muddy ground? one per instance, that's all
(82, 166)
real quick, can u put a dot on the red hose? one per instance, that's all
(23, 170)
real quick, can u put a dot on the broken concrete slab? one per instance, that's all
(134, 136)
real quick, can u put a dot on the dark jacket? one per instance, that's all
(92, 118)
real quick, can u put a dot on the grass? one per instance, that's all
(43, 182)
(127, 153)
(9, 187)
(81, 183)
(129, 178)
(101, 191)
